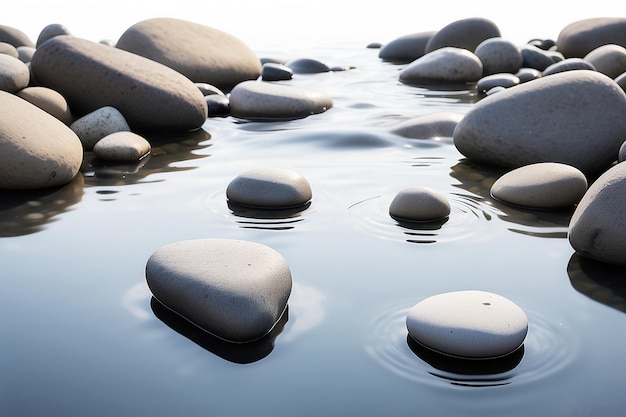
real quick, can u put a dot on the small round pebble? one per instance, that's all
(269, 188)
(307, 66)
(544, 185)
(101, 122)
(419, 204)
(276, 72)
(488, 82)
(468, 324)
(122, 146)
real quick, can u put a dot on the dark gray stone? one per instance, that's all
(581, 37)
(568, 64)
(307, 66)
(406, 48)
(276, 72)
(464, 33)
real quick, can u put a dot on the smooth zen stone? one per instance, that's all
(499, 56)
(581, 37)
(36, 149)
(419, 204)
(432, 125)
(568, 64)
(90, 75)
(8, 49)
(122, 146)
(596, 229)
(14, 74)
(307, 66)
(234, 289)
(536, 58)
(99, 123)
(406, 48)
(545, 185)
(468, 324)
(453, 65)
(50, 31)
(276, 72)
(269, 188)
(504, 80)
(528, 74)
(25, 53)
(574, 117)
(201, 53)
(219, 106)
(14, 36)
(608, 59)
(49, 100)
(262, 100)
(464, 33)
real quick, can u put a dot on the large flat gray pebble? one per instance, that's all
(90, 75)
(583, 36)
(201, 53)
(444, 65)
(36, 149)
(267, 187)
(574, 117)
(468, 324)
(264, 100)
(406, 48)
(597, 227)
(234, 289)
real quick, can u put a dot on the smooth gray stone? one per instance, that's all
(307, 66)
(544, 44)
(583, 36)
(444, 65)
(608, 59)
(201, 53)
(25, 53)
(505, 80)
(528, 74)
(234, 289)
(101, 122)
(49, 100)
(573, 117)
(260, 100)
(36, 149)
(465, 33)
(432, 125)
(219, 106)
(122, 146)
(419, 204)
(621, 81)
(596, 230)
(50, 31)
(568, 64)
(8, 49)
(535, 58)
(494, 90)
(276, 72)
(544, 185)
(269, 188)
(406, 48)
(14, 74)
(151, 96)
(468, 324)
(14, 36)
(499, 56)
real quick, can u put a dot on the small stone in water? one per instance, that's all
(122, 146)
(419, 204)
(468, 324)
(269, 188)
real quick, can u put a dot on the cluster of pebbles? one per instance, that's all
(550, 112)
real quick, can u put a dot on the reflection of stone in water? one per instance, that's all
(262, 218)
(602, 282)
(241, 353)
(478, 179)
(23, 212)
(166, 152)
(422, 232)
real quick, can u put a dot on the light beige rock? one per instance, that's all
(99, 123)
(546, 185)
(122, 146)
(48, 100)
(269, 187)
(36, 149)
(263, 100)
(14, 74)
(420, 204)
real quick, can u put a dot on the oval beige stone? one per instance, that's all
(36, 149)
(122, 146)
(419, 204)
(14, 74)
(49, 100)
(546, 185)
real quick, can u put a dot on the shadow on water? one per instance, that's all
(166, 152)
(469, 372)
(602, 282)
(262, 218)
(241, 353)
(23, 212)
(478, 179)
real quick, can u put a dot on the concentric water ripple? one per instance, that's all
(550, 348)
(468, 216)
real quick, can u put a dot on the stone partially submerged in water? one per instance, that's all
(546, 185)
(432, 125)
(260, 100)
(468, 324)
(445, 65)
(419, 204)
(122, 146)
(234, 289)
(274, 188)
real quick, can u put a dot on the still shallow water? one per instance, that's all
(80, 335)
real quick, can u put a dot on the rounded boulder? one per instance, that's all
(464, 33)
(445, 65)
(269, 188)
(583, 36)
(574, 117)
